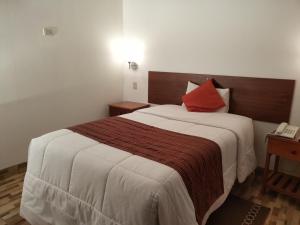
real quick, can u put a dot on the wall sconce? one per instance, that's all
(130, 50)
(133, 65)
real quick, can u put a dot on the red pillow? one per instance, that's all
(205, 98)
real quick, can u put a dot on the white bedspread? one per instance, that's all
(72, 179)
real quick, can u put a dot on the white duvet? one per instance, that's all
(72, 179)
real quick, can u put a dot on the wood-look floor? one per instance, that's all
(11, 183)
(284, 210)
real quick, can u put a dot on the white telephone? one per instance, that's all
(286, 130)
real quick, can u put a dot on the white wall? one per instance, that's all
(258, 38)
(47, 83)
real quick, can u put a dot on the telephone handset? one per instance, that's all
(286, 130)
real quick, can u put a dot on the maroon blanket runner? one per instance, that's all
(197, 160)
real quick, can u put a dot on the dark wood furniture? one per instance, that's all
(275, 180)
(261, 99)
(125, 107)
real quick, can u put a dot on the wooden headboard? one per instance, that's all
(262, 99)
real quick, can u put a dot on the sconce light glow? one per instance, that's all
(128, 50)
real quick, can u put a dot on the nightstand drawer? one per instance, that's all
(113, 111)
(287, 149)
(121, 108)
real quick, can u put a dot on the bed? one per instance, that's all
(73, 179)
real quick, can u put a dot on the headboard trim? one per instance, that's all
(262, 99)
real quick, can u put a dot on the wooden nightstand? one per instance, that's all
(275, 180)
(125, 107)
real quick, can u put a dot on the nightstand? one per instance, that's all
(125, 107)
(275, 180)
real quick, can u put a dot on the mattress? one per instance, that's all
(72, 179)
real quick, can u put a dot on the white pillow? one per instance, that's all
(224, 93)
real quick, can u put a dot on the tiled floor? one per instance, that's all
(285, 211)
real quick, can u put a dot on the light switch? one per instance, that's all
(134, 85)
(50, 31)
